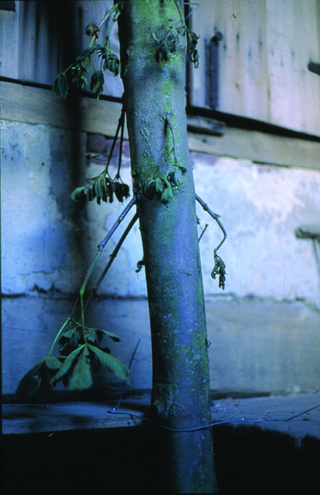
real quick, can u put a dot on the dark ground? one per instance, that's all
(79, 447)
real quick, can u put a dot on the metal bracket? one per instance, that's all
(313, 67)
(212, 70)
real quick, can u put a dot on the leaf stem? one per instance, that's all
(58, 335)
(108, 14)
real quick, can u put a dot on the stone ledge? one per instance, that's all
(244, 412)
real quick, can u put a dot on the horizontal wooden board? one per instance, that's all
(38, 106)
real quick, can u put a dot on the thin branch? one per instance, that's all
(201, 235)
(100, 249)
(215, 216)
(112, 257)
(121, 142)
(120, 124)
(116, 224)
(191, 3)
(107, 15)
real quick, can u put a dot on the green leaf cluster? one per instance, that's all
(162, 187)
(101, 188)
(79, 69)
(168, 44)
(84, 356)
(80, 356)
(111, 63)
(166, 47)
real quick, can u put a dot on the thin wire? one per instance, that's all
(304, 412)
(191, 3)
(184, 430)
(125, 381)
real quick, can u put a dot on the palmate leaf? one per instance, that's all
(81, 376)
(31, 381)
(111, 363)
(112, 336)
(66, 365)
(53, 363)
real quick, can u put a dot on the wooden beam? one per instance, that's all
(32, 105)
(38, 106)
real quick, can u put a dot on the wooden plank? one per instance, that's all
(205, 125)
(242, 52)
(293, 33)
(259, 147)
(38, 106)
(9, 34)
(264, 54)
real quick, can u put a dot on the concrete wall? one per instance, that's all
(264, 328)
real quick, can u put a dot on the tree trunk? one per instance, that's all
(155, 106)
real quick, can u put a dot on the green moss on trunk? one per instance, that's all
(155, 106)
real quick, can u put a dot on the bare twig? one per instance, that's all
(119, 126)
(108, 14)
(101, 247)
(121, 142)
(201, 235)
(215, 216)
(112, 257)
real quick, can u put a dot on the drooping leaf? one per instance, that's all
(111, 363)
(92, 30)
(97, 82)
(112, 336)
(71, 336)
(121, 191)
(53, 363)
(60, 86)
(81, 376)
(70, 340)
(66, 364)
(111, 63)
(30, 382)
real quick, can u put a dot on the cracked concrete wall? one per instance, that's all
(47, 243)
(261, 206)
(264, 329)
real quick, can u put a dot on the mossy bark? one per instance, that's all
(155, 106)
